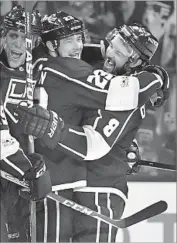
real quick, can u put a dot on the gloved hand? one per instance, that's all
(133, 157)
(38, 178)
(157, 99)
(40, 123)
(164, 92)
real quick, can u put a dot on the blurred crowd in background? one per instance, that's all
(157, 136)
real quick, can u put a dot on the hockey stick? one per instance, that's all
(157, 165)
(148, 212)
(29, 66)
(29, 93)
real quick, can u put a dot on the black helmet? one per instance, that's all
(139, 38)
(60, 25)
(15, 20)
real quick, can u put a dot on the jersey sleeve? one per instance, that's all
(149, 83)
(90, 88)
(99, 132)
(12, 158)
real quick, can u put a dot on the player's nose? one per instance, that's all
(18, 42)
(110, 52)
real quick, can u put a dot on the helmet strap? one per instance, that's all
(128, 69)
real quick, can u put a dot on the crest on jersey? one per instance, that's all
(124, 82)
(16, 93)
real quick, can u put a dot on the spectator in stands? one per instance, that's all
(127, 12)
(155, 17)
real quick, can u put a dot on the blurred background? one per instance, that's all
(157, 136)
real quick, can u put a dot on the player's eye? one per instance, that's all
(119, 53)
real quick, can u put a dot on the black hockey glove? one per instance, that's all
(133, 157)
(38, 178)
(41, 123)
(164, 92)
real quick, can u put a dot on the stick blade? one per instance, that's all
(151, 211)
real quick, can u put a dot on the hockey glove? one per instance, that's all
(164, 92)
(41, 123)
(157, 99)
(133, 157)
(38, 178)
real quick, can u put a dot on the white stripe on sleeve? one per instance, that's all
(13, 166)
(75, 80)
(152, 83)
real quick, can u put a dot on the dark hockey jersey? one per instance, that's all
(70, 95)
(87, 135)
(13, 142)
(12, 158)
(13, 87)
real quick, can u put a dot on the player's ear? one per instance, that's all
(51, 49)
(3, 43)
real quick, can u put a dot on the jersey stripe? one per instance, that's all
(110, 216)
(75, 80)
(150, 85)
(72, 150)
(76, 132)
(76, 184)
(57, 220)
(40, 60)
(14, 166)
(103, 190)
(45, 219)
(98, 220)
(97, 119)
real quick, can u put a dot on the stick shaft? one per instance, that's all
(157, 165)
(29, 94)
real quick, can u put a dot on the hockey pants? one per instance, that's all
(102, 200)
(57, 223)
(3, 233)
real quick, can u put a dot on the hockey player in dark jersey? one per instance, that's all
(13, 158)
(107, 176)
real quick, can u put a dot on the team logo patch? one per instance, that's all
(124, 82)
(16, 93)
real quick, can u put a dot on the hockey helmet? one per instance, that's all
(15, 20)
(61, 25)
(139, 38)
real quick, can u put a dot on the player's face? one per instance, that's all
(117, 54)
(15, 48)
(71, 46)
